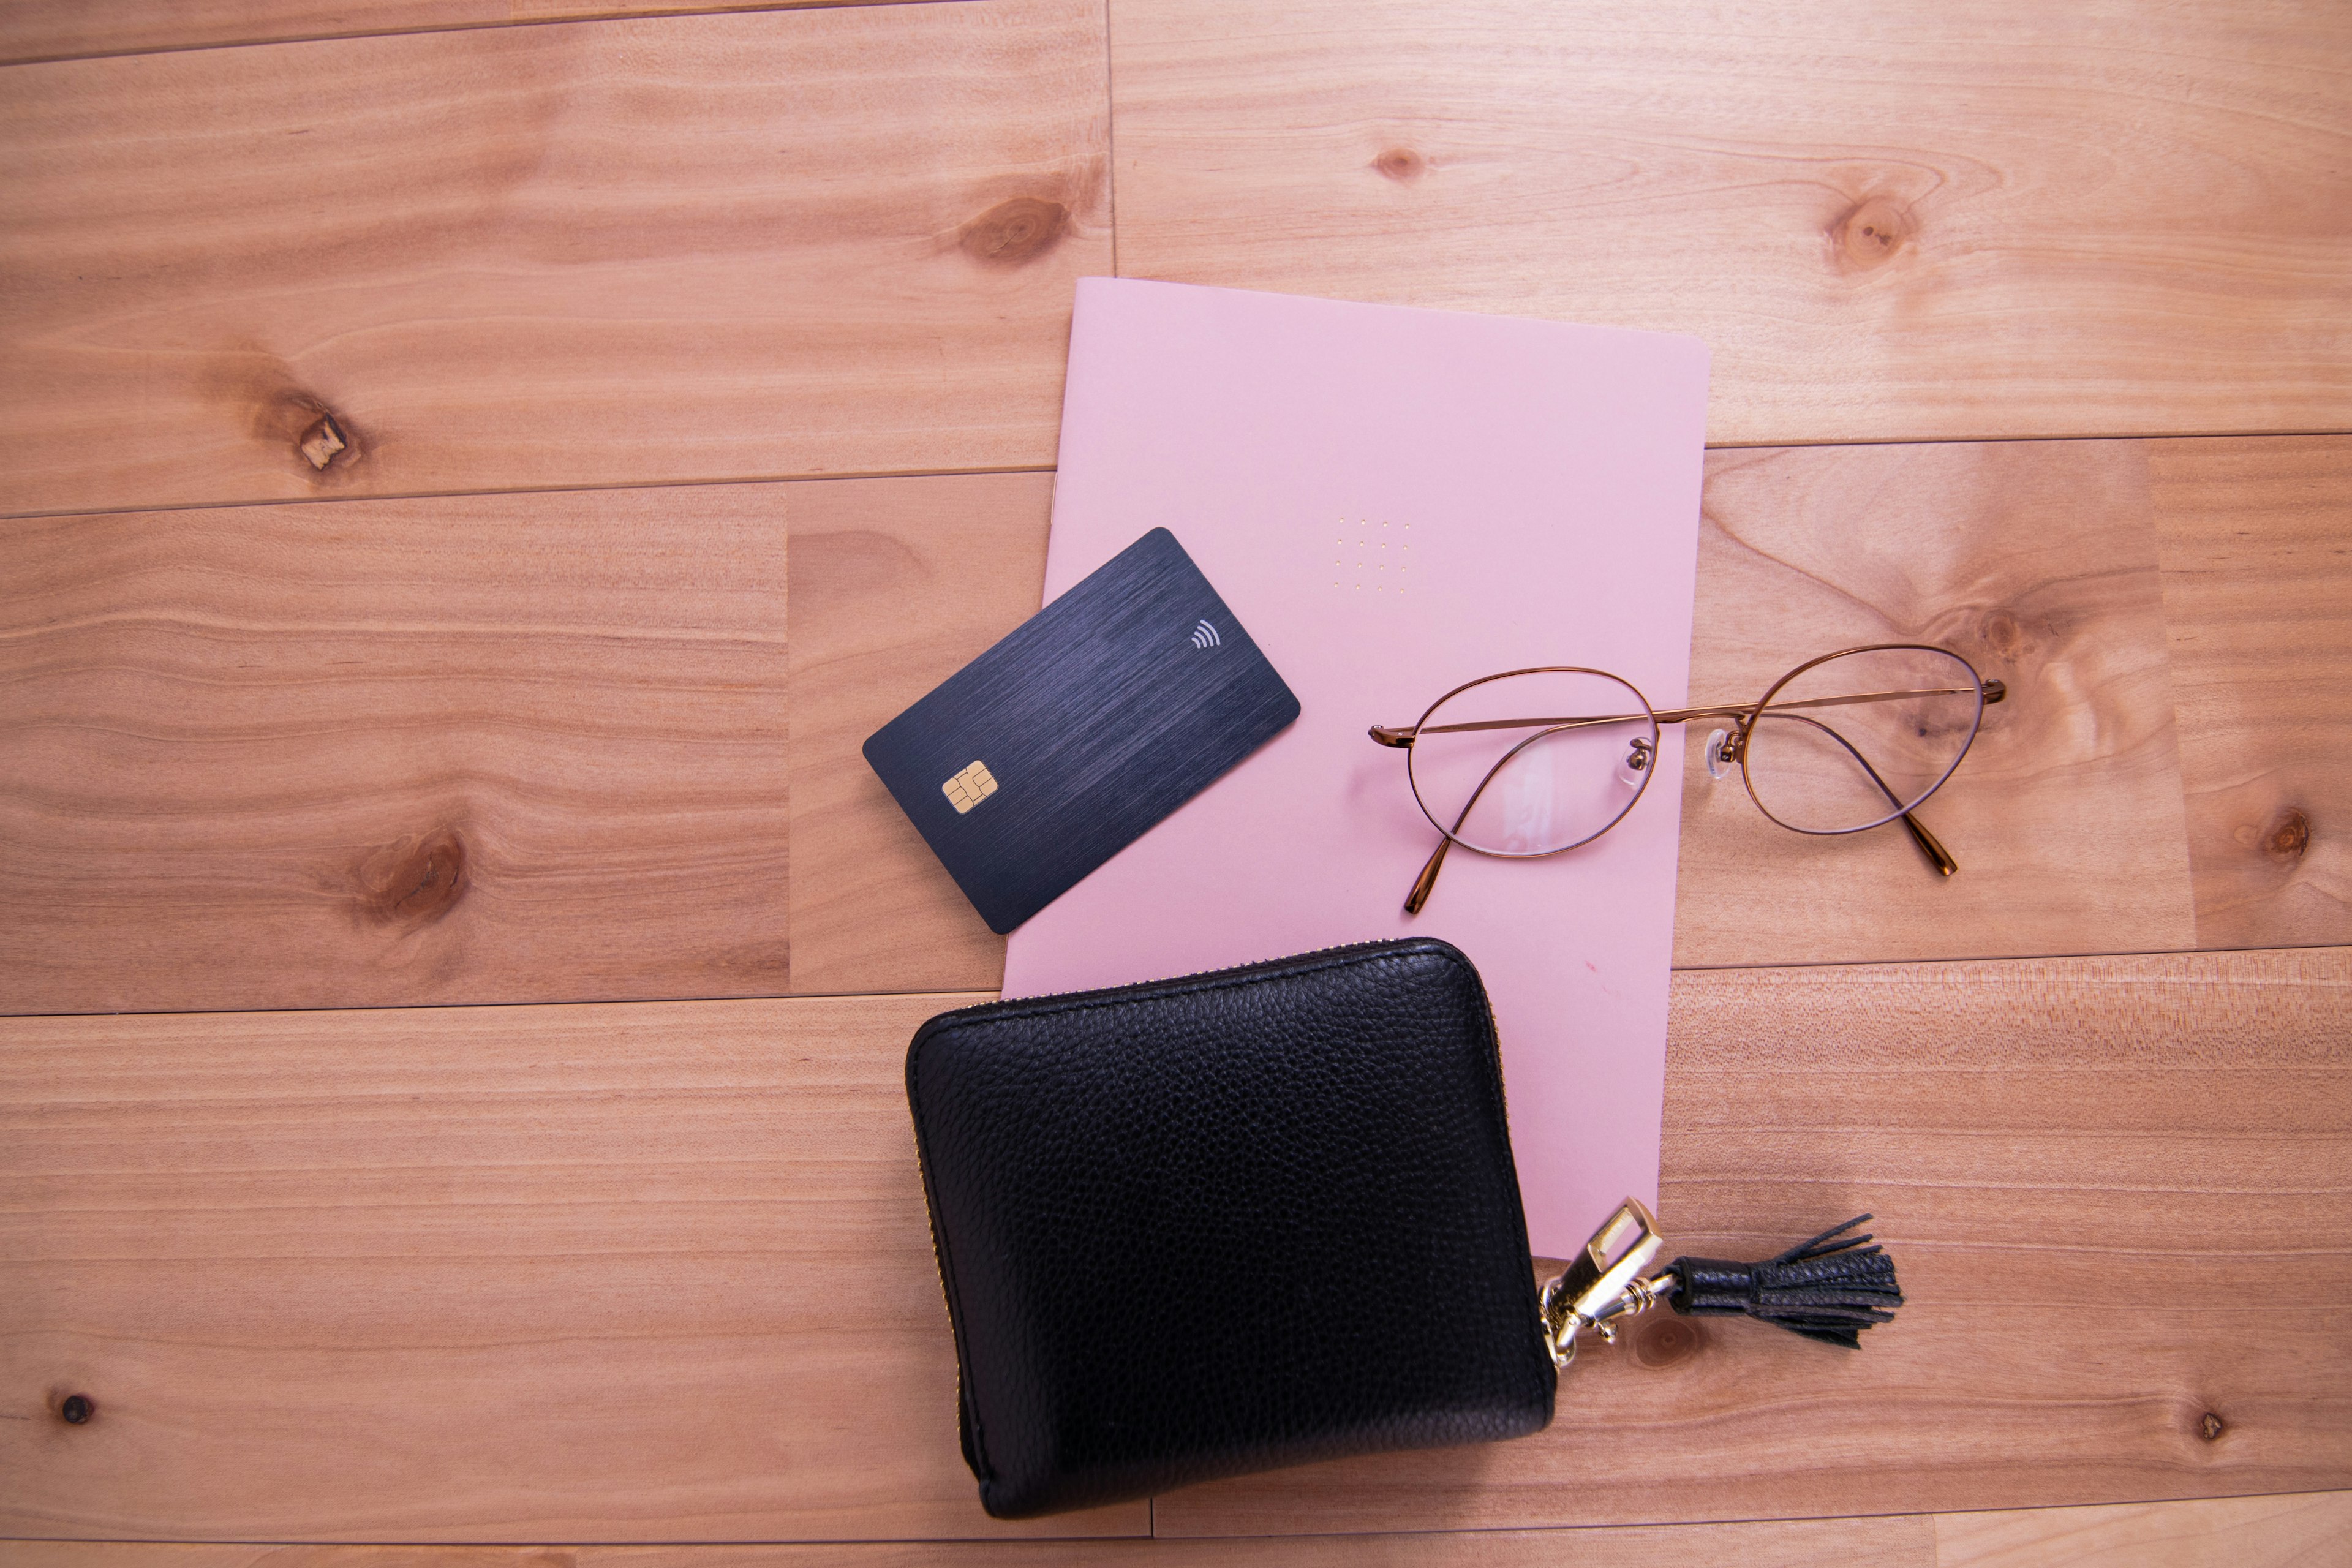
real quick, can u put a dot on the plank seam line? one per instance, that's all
(1670, 1524)
(1049, 1542)
(984, 991)
(619, 13)
(2249, 434)
(950, 994)
(2280, 947)
(540, 490)
(1049, 468)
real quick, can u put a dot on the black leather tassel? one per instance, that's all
(1824, 1289)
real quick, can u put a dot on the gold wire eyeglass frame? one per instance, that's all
(1734, 749)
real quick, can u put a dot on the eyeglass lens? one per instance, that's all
(1820, 762)
(1568, 756)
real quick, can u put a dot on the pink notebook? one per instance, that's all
(1395, 501)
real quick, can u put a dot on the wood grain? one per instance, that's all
(612, 1273)
(1898, 1543)
(33, 30)
(660, 1272)
(895, 585)
(2298, 1531)
(1904, 222)
(2255, 538)
(280, 1554)
(2033, 560)
(814, 241)
(2116, 1190)
(255, 704)
(488, 749)
(2295, 1531)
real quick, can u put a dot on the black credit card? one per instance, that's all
(1069, 740)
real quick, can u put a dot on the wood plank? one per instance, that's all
(2115, 1188)
(1896, 1542)
(278, 1554)
(630, 1272)
(2306, 1529)
(895, 585)
(37, 30)
(2255, 538)
(2284, 1532)
(1890, 223)
(764, 245)
(220, 649)
(487, 749)
(659, 1271)
(2035, 560)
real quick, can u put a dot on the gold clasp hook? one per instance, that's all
(1605, 1282)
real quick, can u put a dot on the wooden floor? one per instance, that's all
(472, 472)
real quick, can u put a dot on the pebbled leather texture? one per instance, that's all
(1227, 1222)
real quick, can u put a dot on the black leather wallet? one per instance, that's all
(1222, 1224)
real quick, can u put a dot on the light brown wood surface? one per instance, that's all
(1888, 221)
(2256, 542)
(606, 1273)
(468, 750)
(895, 585)
(2035, 560)
(2306, 1530)
(2294, 1530)
(1896, 1542)
(637, 715)
(813, 241)
(71, 29)
(661, 1272)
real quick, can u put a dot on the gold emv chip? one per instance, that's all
(970, 787)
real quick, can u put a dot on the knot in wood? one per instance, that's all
(1401, 165)
(1666, 1339)
(1872, 233)
(1012, 233)
(416, 881)
(2211, 1427)
(76, 1409)
(2287, 836)
(322, 442)
(2003, 634)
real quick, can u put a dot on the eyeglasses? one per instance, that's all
(1495, 780)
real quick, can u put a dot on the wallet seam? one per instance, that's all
(1190, 984)
(967, 1406)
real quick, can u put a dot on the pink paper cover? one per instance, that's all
(1394, 502)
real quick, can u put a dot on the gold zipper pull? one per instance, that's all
(1609, 1281)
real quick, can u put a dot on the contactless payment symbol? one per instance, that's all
(969, 786)
(1205, 636)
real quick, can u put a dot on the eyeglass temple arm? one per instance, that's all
(1427, 881)
(1929, 845)
(1403, 736)
(1994, 691)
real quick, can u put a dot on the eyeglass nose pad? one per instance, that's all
(1716, 765)
(1638, 757)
